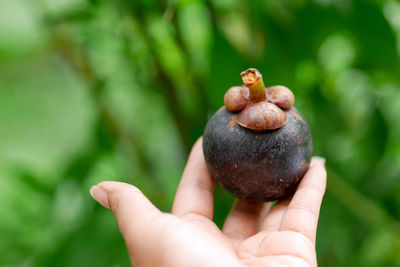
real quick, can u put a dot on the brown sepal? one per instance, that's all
(236, 98)
(280, 96)
(262, 116)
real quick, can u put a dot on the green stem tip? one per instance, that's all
(252, 79)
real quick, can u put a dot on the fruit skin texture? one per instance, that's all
(253, 165)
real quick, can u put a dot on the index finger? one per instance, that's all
(196, 188)
(303, 211)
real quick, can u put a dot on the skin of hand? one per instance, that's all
(253, 234)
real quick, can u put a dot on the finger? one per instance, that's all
(195, 191)
(303, 211)
(133, 211)
(243, 220)
(272, 220)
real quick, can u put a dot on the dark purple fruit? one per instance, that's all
(249, 158)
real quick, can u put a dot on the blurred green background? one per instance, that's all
(94, 90)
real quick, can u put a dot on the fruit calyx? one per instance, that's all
(259, 108)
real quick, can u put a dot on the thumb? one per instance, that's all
(133, 211)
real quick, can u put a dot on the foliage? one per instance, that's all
(94, 90)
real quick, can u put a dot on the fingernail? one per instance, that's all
(99, 195)
(320, 160)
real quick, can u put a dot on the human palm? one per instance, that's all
(253, 234)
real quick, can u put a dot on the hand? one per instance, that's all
(253, 234)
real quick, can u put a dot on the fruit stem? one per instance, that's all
(252, 79)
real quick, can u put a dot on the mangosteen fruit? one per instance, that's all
(258, 146)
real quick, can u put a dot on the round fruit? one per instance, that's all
(261, 152)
